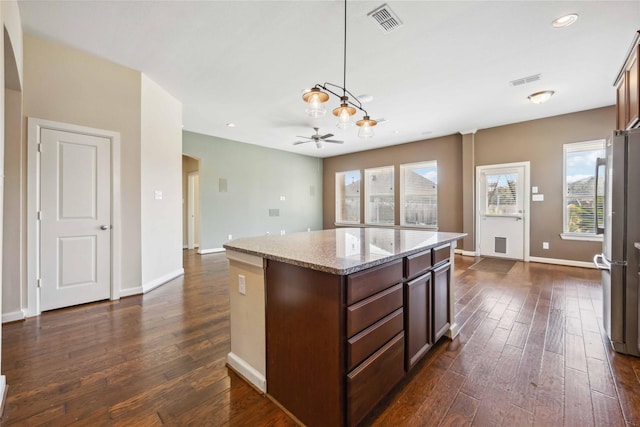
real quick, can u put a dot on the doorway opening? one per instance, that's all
(190, 202)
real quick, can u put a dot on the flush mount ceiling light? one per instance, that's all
(349, 103)
(541, 97)
(565, 20)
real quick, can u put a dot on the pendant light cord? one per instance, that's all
(344, 71)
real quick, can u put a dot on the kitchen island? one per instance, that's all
(328, 322)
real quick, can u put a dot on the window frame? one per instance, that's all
(409, 167)
(337, 204)
(567, 148)
(366, 195)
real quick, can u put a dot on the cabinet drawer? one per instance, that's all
(371, 339)
(368, 282)
(372, 309)
(417, 264)
(374, 378)
(441, 254)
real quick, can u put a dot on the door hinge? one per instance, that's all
(39, 216)
(40, 148)
(39, 283)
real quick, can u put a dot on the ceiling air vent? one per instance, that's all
(525, 80)
(385, 19)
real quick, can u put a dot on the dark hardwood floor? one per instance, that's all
(531, 352)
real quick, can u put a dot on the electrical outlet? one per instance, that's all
(545, 245)
(230, 237)
(282, 232)
(242, 284)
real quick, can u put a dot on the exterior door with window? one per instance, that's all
(501, 213)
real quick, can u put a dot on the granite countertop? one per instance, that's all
(342, 250)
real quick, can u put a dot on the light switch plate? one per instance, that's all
(534, 190)
(157, 195)
(537, 197)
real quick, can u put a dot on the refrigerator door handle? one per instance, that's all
(601, 262)
(599, 220)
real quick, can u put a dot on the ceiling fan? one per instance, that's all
(318, 139)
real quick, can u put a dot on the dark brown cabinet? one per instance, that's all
(628, 89)
(418, 319)
(441, 284)
(337, 344)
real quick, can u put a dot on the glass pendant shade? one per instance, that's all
(366, 127)
(365, 131)
(315, 100)
(344, 113)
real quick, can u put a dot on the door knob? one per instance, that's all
(104, 227)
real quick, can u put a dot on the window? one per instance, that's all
(579, 189)
(348, 197)
(419, 194)
(379, 206)
(502, 194)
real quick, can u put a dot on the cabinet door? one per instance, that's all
(418, 319)
(633, 94)
(441, 285)
(622, 110)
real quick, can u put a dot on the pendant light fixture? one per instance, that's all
(349, 103)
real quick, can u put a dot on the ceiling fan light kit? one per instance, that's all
(315, 98)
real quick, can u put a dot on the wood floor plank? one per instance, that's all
(461, 412)
(531, 351)
(577, 399)
(606, 410)
(576, 357)
(549, 407)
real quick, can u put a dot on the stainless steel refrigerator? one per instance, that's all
(618, 219)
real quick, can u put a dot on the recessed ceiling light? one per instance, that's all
(565, 20)
(231, 125)
(365, 98)
(541, 97)
(396, 131)
(426, 132)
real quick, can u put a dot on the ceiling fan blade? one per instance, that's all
(334, 141)
(300, 142)
(305, 137)
(329, 135)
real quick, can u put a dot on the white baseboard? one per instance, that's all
(247, 371)
(131, 291)
(210, 251)
(567, 262)
(12, 316)
(3, 392)
(466, 253)
(162, 280)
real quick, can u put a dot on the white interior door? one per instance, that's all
(501, 211)
(75, 219)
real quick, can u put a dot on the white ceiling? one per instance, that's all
(446, 70)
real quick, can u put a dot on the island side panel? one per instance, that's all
(454, 328)
(247, 317)
(305, 335)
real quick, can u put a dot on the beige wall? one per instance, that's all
(11, 76)
(66, 85)
(189, 165)
(446, 150)
(540, 142)
(161, 174)
(14, 234)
